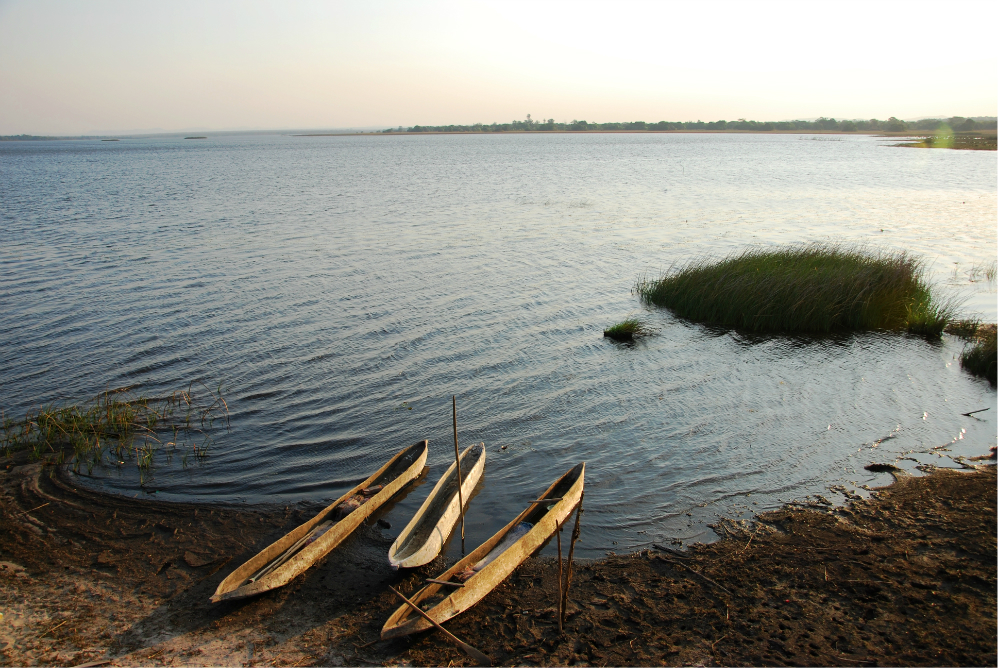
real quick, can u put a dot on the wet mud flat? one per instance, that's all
(907, 577)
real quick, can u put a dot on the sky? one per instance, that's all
(101, 67)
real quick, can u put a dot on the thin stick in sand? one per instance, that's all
(457, 457)
(560, 597)
(482, 659)
(571, 553)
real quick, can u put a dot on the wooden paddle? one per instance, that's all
(482, 659)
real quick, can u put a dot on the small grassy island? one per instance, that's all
(626, 330)
(809, 289)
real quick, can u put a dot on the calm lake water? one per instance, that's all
(343, 288)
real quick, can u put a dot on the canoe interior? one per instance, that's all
(533, 514)
(394, 470)
(558, 490)
(237, 584)
(442, 602)
(439, 502)
(399, 466)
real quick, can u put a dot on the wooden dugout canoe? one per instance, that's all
(546, 518)
(423, 538)
(398, 472)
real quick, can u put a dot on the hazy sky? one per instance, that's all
(104, 67)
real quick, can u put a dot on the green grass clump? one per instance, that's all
(116, 426)
(980, 358)
(814, 288)
(626, 330)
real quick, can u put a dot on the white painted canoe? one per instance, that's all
(425, 535)
(297, 549)
(445, 602)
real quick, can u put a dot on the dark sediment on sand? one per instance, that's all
(907, 577)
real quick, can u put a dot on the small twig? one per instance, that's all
(34, 509)
(751, 536)
(445, 582)
(979, 410)
(717, 641)
(153, 656)
(53, 629)
(697, 573)
(94, 664)
(674, 553)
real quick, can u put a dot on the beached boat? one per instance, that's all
(470, 579)
(423, 538)
(293, 554)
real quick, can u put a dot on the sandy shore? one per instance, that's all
(905, 578)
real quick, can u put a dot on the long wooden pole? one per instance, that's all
(571, 552)
(457, 458)
(561, 598)
(482, 659)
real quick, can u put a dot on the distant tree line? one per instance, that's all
(23, 138)
(892, 124)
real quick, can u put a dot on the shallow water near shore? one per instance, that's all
(343, 288)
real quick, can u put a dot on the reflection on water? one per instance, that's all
(325, 281)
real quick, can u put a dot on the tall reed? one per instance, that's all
(814, 288)
(116, 426)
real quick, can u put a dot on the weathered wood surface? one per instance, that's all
(438, 516)
(236, 585)
(568, 488)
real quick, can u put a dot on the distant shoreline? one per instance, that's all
(874, 133)
(979, 140)
(609, 132)
(983, 139)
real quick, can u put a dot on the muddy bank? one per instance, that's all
(905, 578)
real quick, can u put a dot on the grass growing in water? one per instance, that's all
(116, 426)
(981, 358)
(986, 271)
(626, 330)
(813, 288)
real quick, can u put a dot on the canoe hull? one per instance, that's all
(434, 543)
(404, 622)
(236, 585)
